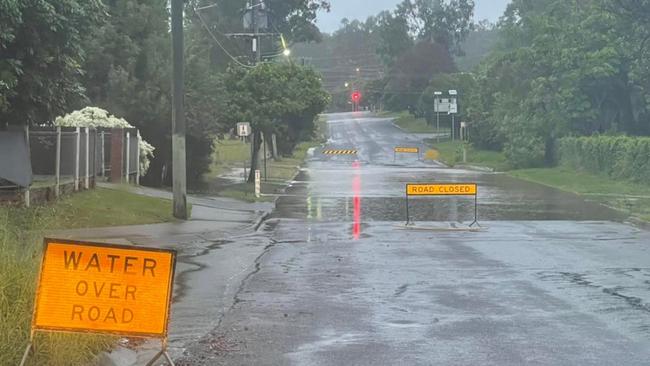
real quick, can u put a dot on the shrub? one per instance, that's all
(96, 117)
(619, 157)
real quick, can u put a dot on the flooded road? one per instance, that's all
(550, 280)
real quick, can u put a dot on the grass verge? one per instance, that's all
(21, 233)
(451, 153)
(626, 196)
(230, 154)
(411, 124)
(633, 198)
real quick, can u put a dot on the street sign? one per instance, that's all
(453, 107)
(445, 105)
(244, 129)
(446, 189)
(443, 189)
(407, 150)
(102, 288)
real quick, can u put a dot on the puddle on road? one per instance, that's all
(332, 195)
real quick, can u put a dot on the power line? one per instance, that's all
(207, 28)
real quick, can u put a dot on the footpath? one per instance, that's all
(217, 248)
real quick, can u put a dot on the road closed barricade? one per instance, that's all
(89, 287)
(406, 150)
(443, 189)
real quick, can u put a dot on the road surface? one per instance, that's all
(550, 280)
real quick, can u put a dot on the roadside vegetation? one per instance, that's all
(623, 194)
(553, 91)
(21, 241)
(451, 153)
(234, 155)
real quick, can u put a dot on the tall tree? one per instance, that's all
(443, 22)
(41, 57)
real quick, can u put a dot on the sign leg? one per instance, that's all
(408, 218)
(475, 212)
(156, 357)
(26, 354)
(169, 359)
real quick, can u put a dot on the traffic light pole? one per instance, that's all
(178, 114)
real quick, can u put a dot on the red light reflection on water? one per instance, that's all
(356, 201)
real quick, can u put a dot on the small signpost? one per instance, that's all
(443, 189)
(405, 150)
(89, 287)
(258, 184)
(244, 129)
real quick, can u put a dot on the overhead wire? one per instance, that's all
(216, 40)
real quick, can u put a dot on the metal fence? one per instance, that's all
(78, 157)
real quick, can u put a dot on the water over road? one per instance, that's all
(551, 280)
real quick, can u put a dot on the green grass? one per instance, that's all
(278, 172)
(629, 197)
(451, 153)
(411, 124)
(633, 198)
(21, 233)
(228, 154)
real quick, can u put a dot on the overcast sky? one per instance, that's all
(361, 9)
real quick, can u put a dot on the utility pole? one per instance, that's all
(179, 177)
(256, 30)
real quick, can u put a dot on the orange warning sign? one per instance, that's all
(101, 288)
(442, 189)
(407, 150)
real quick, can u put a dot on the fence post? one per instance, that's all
(57, 166)
(29, 151)
(76, 158)
(103, 156)
(87, 177)
(128, 157)
(274, 143)
(137, 176)
(94, 185)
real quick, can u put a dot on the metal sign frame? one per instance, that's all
(163, 336)
(475, 222)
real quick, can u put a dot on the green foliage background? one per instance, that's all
(618, 157)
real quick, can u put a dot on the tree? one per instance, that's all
(562, 68)
(393, 37)
(276, 98)
(41, 57)
(411, 74)
(443, 22)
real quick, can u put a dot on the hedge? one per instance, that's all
(619, 157)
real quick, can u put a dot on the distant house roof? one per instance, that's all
(15, 164)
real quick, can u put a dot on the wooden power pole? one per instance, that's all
(178, 114)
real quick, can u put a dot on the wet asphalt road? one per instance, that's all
(551, 280)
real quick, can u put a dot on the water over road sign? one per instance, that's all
(101, 288)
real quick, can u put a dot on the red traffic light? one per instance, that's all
(356, 96)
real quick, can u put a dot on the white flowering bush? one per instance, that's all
(94, 117)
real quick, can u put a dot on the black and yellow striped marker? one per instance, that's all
(339, 152)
